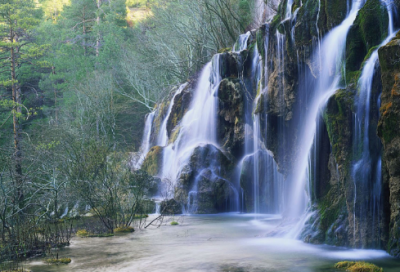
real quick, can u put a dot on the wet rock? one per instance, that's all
(170, 207)
(153, 162)
(368, 30)
(202, 180)
(178, 110)
(388, 131)
(231, 116)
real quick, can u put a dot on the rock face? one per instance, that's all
(388, 131)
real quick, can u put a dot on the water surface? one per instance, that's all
(223, 242)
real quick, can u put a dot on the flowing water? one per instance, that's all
(162, 139)
(367, 167)
(145, 147)
(224, 242)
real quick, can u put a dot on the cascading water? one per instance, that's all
(331, 54)
(162, 138)
(289, 5)
(145, 146)
(198, 126)
(259, 176)
(241, 43)
(366, 169)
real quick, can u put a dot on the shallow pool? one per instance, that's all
(223, 242)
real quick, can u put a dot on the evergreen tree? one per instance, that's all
(19, 56)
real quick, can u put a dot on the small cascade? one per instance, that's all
(332, 54)
(162, 138)
(198, 126)
(289, 5)
(158, 206)
(145, 146)
(241, 43)
(259, 177)
(366, 168)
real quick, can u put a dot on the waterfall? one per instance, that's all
(331, 54)
(262, 181)
(145, 146)
(366, 169)
(289, 5)
(162, 138)
(241, 43)
(197, 127)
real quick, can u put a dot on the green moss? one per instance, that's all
(368, 30)
(390, 128)
(152, 162)
(275, 22)
(336, 117)
(84, 234)
(124, 230)
(225, 50)
(358, 267)
(330, 208)
(59, 261)
(174, 223)
(260, 42)
(174, 135)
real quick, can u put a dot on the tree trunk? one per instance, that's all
(98, 28)
(16, 96)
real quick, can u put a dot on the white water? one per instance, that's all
(145, 146)
(241, 43)
(332, 53)
(162, 138)
(198, 126)
(289, 5)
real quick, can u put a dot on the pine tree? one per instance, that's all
(19, 55)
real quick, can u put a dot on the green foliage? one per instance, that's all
(174, 223)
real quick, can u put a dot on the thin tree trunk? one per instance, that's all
(98, 28)
(16, 96)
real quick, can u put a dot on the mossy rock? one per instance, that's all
(85, 234)
(122, 230)
(153, 162)
(358, 267)
(225, 50)
(174, 223)
(338, 119)
(58, 261)
(369, 30)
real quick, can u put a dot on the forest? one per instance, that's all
(77, 79)
(206, 135)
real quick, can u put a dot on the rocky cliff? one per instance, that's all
(261, 98)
